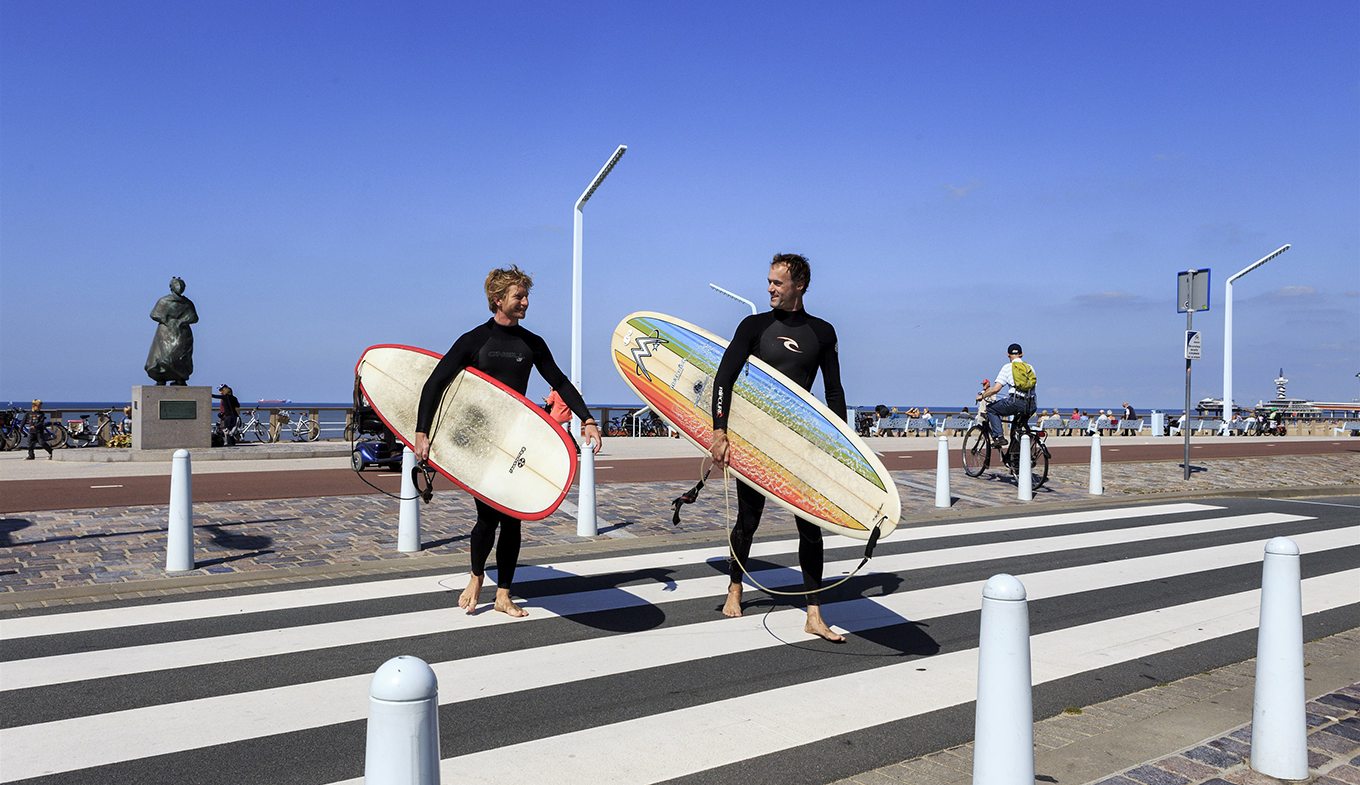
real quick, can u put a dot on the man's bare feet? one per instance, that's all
(815, 626)
(732, 607)
(507, 606)
(468, 600)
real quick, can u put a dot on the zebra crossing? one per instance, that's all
(625, 672)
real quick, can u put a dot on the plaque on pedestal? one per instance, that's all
(171, 417)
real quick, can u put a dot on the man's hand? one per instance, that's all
(421, 446)
(592, 433)
(719, 450)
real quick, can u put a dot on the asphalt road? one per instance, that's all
(625, 672)
(65, 494)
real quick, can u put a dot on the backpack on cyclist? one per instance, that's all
(1024, 378)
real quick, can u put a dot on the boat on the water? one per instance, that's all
(1292, 408)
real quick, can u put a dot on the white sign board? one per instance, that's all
(1192, 344)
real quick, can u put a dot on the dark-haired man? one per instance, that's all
(797, 345)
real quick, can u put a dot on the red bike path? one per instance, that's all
(84, 493)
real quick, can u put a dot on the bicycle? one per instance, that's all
(11, 428)
(304, 428)
(16, 431)
(80, 434)
(256, 429)
(977, 448)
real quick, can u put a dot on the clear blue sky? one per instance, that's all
(330, 175)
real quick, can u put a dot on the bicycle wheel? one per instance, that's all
(9, 440)
(350, 432)
(977, 451)
(1038, 464)
(311, 430)
(103, 434)
(260, 432)
(55, 435)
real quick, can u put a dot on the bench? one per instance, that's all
(1131, 425)
(922, 425)
(1208, 427)
(1050, 423)
(1352, 428)
(958, 424)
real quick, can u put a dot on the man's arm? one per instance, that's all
(547, 368)
(738, 351)
(831, 374)
(458, 358)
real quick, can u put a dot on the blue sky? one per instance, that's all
(326, 176)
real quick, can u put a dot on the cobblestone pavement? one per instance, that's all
(1333, 734)
(61, 549)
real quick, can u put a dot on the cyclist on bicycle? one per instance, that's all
(1014, 391)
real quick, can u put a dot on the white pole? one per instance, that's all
(403, 724)
(1003, 728)
(1279, 744)
(179, 541)
(942, 495)
(584, 527)
(408, 520)
(1228, 331)
(1025, 491)
(1097, 486)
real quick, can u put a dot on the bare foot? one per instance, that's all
(468, 600)
(815, 626)
(507, 606)
(732, 607)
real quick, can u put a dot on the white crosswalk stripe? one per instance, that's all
(922, 579)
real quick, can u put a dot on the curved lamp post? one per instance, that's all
(1228, 334)
(585, 514)
(736, 297)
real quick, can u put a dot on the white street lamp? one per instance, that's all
(736, 297)
(1228, 334)
(585, 514)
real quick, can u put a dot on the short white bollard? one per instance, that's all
(942, 496)
(1279, 730)
(1025, 491)
(408, 520)
(1097, 473)
(179, 541)
(1003, 728)
(403, 724)
(585, 508)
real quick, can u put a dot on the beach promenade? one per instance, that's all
(254, 538)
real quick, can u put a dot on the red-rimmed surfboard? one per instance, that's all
(783, 442)
(490, 440)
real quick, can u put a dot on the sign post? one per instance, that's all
(1192, 294)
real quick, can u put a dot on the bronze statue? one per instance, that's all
(171, 359)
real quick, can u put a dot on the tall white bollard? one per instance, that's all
(179, 542)
(1025, 491)
(1279, 744)
(1003, 728)
(585, 509)
(942, 496)
(1097, 473)
(403, 724)
(408, 520)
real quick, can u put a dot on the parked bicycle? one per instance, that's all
(977, 448)
(54, 434)
(252, 427)
(303, 427)
(11, 428)
(81, 434)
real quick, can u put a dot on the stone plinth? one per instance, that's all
(171, 418)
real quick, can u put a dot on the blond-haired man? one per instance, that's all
(506, 352)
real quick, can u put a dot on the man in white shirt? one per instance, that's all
(1010, 399)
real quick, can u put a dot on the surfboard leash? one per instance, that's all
(689, 496)
(732, 552)
(425, 493)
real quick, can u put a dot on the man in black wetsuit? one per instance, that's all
(797, 345)
(506, 352)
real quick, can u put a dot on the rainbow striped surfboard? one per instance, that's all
(783, 442)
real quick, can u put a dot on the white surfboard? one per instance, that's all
(490, 440)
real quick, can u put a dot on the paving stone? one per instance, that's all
(1332, 744)
(1187, 768)
(1346, 773)
(1212, 756)
(1351, 732)
(1152, 775)
(1234, 746)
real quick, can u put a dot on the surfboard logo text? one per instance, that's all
(518, 463)
(644, 349)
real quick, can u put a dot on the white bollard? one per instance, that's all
(943, 498)
(179, 542)
(1025, 492)
(403, 724)
(408, 519)
(1003, 728)
(1097, 473)
(1279, 744)
(585, 508)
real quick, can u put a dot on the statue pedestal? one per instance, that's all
(171, 418)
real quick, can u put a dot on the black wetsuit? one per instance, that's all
(797, 345)
(506, 354)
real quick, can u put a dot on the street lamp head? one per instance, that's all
(599, 178)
